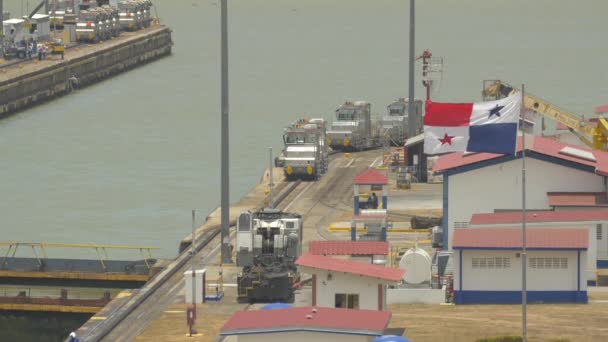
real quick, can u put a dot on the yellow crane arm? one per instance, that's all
(592, 136)
(549, 110)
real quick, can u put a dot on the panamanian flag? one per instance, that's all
(473, 127)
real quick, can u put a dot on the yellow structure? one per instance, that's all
(593, 135)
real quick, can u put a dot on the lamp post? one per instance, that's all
(412, 120)
(225, 171)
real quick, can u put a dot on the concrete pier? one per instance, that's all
(32, 82)
(156, 304)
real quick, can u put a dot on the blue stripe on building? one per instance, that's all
(514, 297)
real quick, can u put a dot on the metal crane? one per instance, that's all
(593, 135)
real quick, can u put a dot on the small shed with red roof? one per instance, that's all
(488, 265)
(374, 179)
(374, 252)
(340, 283)
(306, 324)
(485, 182)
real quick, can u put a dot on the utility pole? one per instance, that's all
(225, 170)
(193, 256)
(270, 178)
(524, 254)
(412, 119)
(2, 21)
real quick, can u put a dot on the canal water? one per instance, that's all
(124, 161)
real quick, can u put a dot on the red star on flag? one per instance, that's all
(447, 139)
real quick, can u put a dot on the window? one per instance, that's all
(491, 262)
(598, 231)
(347, 301)
(548, 263)
(461, 224)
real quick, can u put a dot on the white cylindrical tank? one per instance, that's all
(417, 265)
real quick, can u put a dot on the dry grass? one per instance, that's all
(172, 326)
(546, 322)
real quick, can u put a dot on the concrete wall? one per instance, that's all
(509, 279)
(415, 296)
(326, 289)
(33, 87)
(303, 336)
(499, 187)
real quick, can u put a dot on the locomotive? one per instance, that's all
(268, 243)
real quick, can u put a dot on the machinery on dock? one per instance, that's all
(395, 123)
(352, 128)
(113, 18)
(304, 154)
(56, 47)
(134, 14)
(58, 12)
(91, 26)
(268, 242)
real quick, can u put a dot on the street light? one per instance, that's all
(225, 151)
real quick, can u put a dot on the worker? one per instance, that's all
(374, 200)
(73, 337)
(370, 202)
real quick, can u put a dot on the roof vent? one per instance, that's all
(314, 310)
(577, 153)
(308, 316)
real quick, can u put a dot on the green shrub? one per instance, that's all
(501, 339)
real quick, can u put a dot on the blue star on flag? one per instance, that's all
(495, 111)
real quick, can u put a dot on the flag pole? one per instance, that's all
(524, 294)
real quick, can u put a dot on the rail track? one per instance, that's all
(130, 319)
(139, 309)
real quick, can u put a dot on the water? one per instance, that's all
(124, 161)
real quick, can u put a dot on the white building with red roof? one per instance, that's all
(339, 283)
(485, 182)
(306, 324)
(594, 221)
(488, 267)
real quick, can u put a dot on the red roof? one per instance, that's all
(348, 247)
(347, 266)
(510, 238)
(601, 109)
(366, 322)
(540, 216)
(577, 199)
(370, 177)
(541, 145)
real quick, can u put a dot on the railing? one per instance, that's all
(39, 250)
(64, 297)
